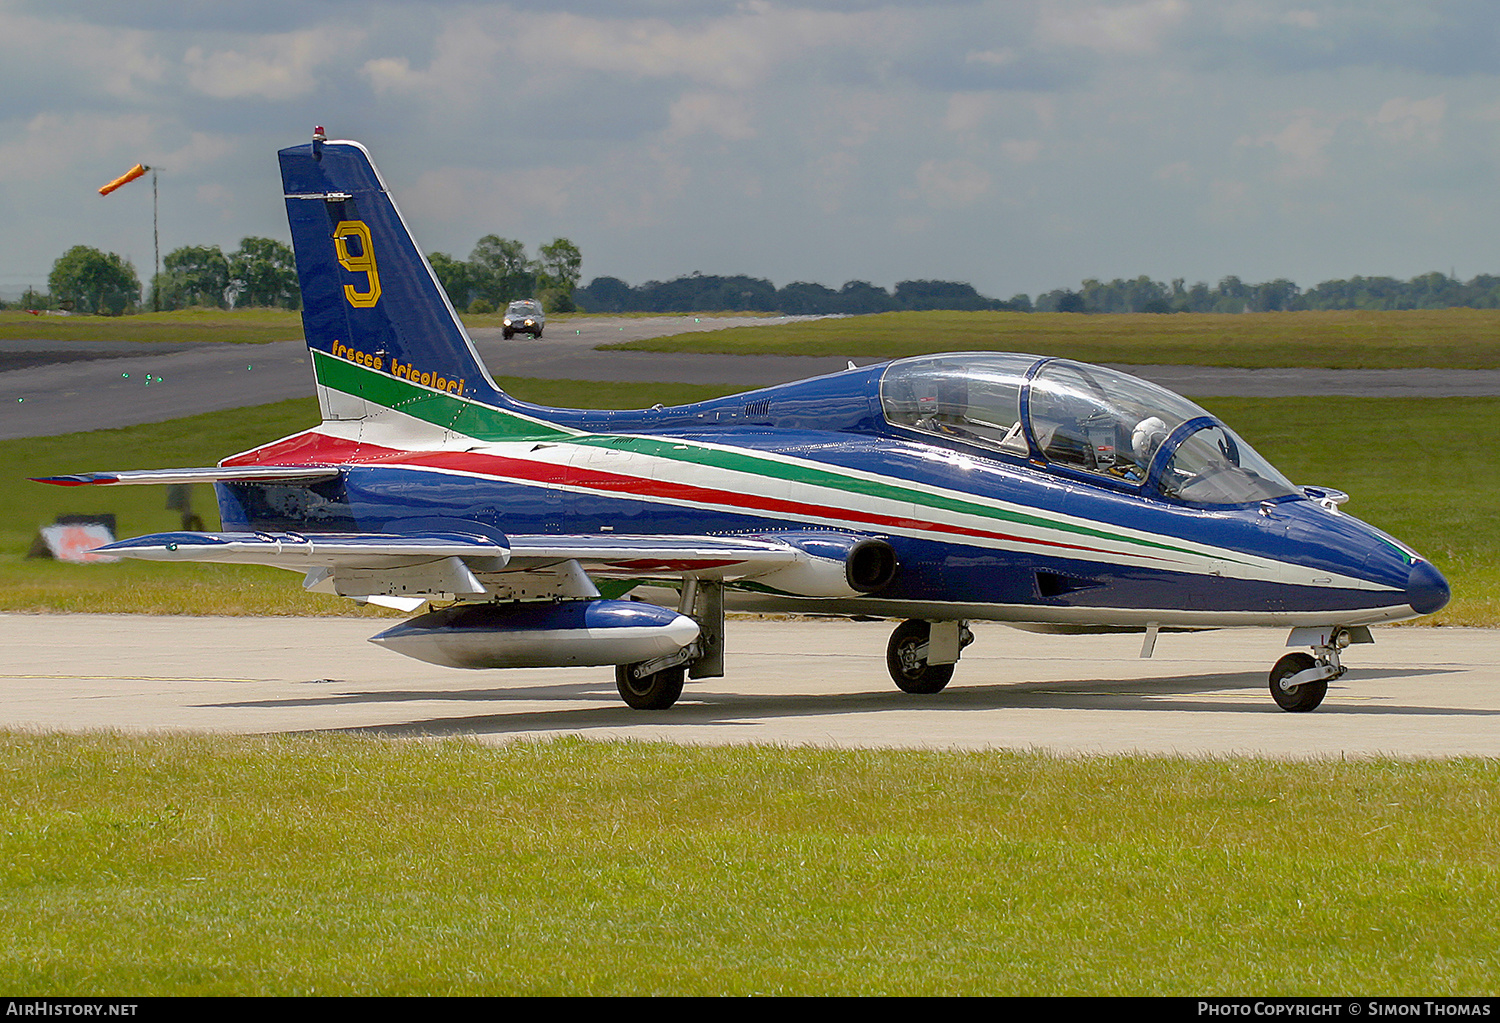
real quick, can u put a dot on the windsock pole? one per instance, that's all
(124, 179)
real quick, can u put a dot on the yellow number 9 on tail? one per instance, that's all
(361, 263)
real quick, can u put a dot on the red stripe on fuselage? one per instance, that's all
(319, 449)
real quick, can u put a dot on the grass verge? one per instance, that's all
(157, 865)
(181, 327)
(1423, 470)
(1446, 338)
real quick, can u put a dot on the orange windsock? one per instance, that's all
(125, 178)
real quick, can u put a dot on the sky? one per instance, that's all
(1018, 145)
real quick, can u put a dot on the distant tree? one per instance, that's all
(500, 270)
(1061, 300)
(1483, 292)
(857, 297)
(94, 281)
(939, 295)
(194, 275)
(1274, 296)
(263, 272)
(456, 277)
(559, 266)
(606, 295)
(802, 299)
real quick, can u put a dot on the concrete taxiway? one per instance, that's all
(1417, 692)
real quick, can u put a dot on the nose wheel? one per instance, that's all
(1296, 697)
(1300, 681)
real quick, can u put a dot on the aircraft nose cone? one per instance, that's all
(1426, 590)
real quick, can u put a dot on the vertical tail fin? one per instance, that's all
(380, 328)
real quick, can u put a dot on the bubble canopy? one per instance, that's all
(1079, 420)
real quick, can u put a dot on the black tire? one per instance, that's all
(537, 336)
(911, 673)
(1303, 698)
(656, 691)
(507, 333)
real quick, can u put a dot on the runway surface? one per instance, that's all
(63, 387)
(1417, 692)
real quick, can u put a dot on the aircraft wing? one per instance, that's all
(301, 551)
(216, 474)
(405, 570)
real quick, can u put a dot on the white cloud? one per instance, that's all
(471, 196)
(1021, 150)
(1405, 120)
(120, 64)
(278, 67)
(727, 116)
(56, 145)
(1302, 146)
(1136, 28)
(950, 183)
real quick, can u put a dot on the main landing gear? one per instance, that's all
(921, 654)
(656, 684)
(657, 690)
(1300, 681)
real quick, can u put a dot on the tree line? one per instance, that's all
(1232, 295)
(498, 272)
(705, 293)
(262, 272)
(699, 292)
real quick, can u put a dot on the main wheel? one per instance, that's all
(507, 333)
(1299, 698)
(656, 691)
(908, 666)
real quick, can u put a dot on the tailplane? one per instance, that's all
(381, 331)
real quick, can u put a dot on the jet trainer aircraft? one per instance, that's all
(944, 489)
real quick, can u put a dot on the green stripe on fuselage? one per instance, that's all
(487, 423)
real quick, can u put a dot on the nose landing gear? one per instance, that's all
(1300, 681)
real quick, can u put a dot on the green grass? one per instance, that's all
(1448, 338)
(183, 326)
(160, 865)
(1425, 470)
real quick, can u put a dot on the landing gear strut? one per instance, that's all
(656, 684)
(921, 654)
(1300, 681)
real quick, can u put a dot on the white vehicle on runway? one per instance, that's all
(524, 317)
